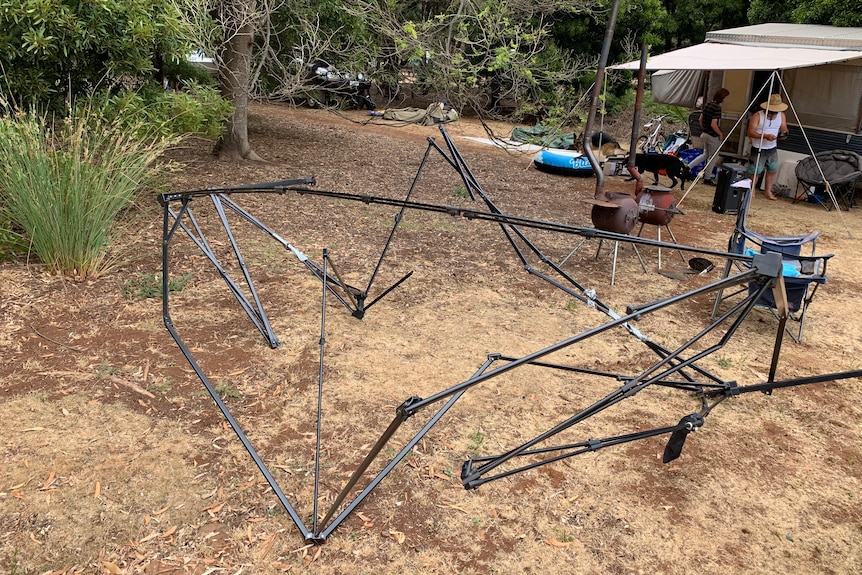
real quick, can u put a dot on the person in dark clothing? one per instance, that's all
(710, 121)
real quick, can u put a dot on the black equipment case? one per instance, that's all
(728, 198)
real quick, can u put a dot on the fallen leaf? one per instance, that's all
(98, 490)
(363, 517)
(169, 532)
(20, 485)
(33, 538)
(112, 568)
(214, 508)
(149, 537)
(165, 508)
(314, 558)
(398, 536)
(555, 543)
(453, 506)
(29, 429)
(130, 385)
(267, 546)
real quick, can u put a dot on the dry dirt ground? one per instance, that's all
(114, 459)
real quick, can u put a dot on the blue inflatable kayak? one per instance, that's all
(563, 162)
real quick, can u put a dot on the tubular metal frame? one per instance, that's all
(678, 368)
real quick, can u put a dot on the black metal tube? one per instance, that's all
(369, 459)
(258, 306)
(278, 187)
(772, 385)
(318, 429)
(167, 234)
(200, 240)
(401, 417)
(745, 276)
(568, 451)
(526, 222)
(397, 221)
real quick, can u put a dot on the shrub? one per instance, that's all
(196, 109)
(65, 184)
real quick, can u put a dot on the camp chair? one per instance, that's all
(842, 168)
(802, 274)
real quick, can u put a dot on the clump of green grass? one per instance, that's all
(227, 391)
(144, 286)
(477, 438)
(66, 184)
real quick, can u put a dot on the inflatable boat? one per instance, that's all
(563, 162)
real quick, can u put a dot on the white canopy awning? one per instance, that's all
(718, 56)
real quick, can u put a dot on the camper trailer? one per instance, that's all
(817, 69)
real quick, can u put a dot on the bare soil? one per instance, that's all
(116, 460)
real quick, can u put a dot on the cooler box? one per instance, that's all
(728, 198)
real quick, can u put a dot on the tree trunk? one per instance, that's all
(235, 77)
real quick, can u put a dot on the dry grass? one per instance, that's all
(115, 460)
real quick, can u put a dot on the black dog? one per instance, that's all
(599, 139)
(673, 167)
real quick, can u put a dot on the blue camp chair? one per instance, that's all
(802, 273)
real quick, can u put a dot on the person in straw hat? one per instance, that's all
(765, 128)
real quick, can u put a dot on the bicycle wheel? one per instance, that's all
(642, 145)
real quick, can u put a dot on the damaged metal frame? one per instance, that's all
(677, 368)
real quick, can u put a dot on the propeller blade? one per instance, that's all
(673, 449)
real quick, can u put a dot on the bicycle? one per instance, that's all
(652, 143)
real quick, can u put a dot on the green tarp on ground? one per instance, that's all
(436, 113)
(539, 135)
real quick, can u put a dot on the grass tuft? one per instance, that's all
(66, 184)
(144, 286)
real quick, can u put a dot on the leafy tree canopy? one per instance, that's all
(843, 13)
(53, 49)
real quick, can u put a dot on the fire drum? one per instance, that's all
(656, 206)
(618, 213)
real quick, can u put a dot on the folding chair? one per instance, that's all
(842, 169)
(802, 274)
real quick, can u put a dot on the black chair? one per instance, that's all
(842, 170)
(802, 274)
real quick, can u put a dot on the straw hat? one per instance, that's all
(774, 104)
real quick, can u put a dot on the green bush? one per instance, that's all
(65, 184)
(57, 50)
(197, 109)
